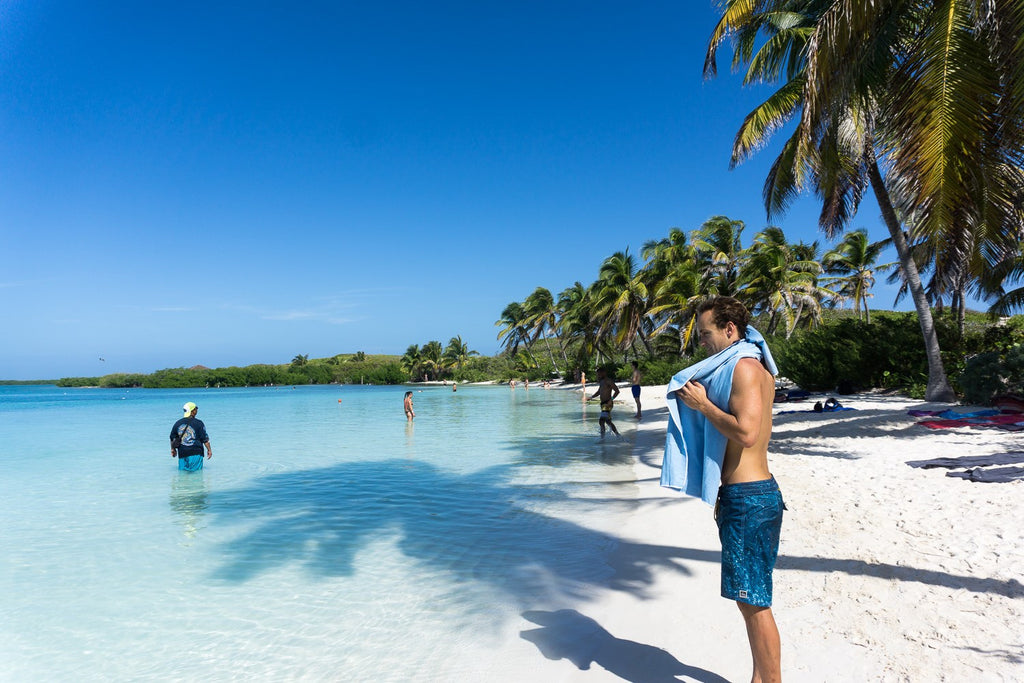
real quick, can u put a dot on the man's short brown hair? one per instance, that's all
(725, 310)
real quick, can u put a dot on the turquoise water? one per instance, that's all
(325, 540)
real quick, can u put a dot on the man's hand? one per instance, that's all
(693, 394)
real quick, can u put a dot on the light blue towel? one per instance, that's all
(694, 449)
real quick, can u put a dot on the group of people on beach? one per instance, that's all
(607, 391)
(720, 425)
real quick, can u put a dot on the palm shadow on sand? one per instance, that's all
(567, 634)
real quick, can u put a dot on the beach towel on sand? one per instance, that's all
(694, 449)
(1010, 421)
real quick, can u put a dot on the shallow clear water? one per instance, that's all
(324, 540)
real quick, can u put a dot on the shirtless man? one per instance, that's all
(635, 382)
(749, 507)
(607, 390)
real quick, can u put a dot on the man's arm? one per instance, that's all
(742, 424)
(615, 391)
(205, 439)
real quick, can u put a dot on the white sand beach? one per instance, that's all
(886, 572)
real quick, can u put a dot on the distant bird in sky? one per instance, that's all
(103, 360)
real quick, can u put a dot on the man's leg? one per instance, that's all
(765, 648)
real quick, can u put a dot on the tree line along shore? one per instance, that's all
(842, 352)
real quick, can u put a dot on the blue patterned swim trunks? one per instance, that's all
(749, 517)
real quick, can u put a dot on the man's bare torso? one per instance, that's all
(751, 464)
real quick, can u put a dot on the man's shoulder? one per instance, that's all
(750, 369)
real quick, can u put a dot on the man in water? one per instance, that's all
(636, 388)
(190, 435)
(749, 506)
(607, 390)
(409, 412)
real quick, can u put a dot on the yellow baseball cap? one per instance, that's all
(188, 408)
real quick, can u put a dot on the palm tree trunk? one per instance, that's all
(961, 309)
(547, 343)
(529, 350)
(561, 349)
(650, 351)
(938, 385)
(796, 319)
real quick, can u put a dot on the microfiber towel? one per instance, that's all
(694, 449)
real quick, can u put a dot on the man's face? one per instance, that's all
(712, 338)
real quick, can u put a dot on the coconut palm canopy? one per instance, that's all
(921, 104)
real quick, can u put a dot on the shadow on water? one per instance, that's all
(474, 527)
(567, 634)
(564, 450)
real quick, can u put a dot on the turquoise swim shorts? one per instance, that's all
(749, 517)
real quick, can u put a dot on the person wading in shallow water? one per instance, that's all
(607, 390)
(188, 436)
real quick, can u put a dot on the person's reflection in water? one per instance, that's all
(190, 498)
(410, 446)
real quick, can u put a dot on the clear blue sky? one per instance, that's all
(232, 183)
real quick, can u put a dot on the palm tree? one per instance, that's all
(718, 253)
(673, 279)
(933, 93)
(431, 359)
(515, 328)
(457, 353)
(774, 281)
(622, 300)
(1011, 270)
(852, 265)
(300, 360)
(577, 323)
(542, 318)
(820, 296)
(411, 361)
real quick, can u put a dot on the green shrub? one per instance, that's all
(887, 353)
(388, 373)
(992, 373)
